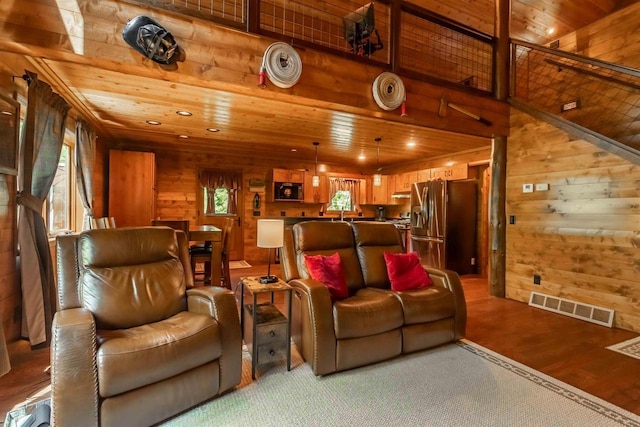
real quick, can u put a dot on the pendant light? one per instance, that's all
(377, 177)
(315, 180)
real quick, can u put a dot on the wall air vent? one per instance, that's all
(579, 310)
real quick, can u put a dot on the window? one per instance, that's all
(59, 200)
(220, 199)
(342, 196)
(341, 201)
(63, 210)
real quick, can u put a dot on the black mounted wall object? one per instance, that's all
(152, 40)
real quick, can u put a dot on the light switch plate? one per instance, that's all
(542, 187)
(527, 188)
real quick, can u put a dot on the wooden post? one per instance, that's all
(497, 217)
(497, 201)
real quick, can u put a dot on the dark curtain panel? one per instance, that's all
(85, 159)
(217, 178)
(41, 146)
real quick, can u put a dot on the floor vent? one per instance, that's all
(579, 310)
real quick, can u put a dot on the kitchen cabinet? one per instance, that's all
(379, 195)
(451, 173)
(287, 175)
(391, 188)
(423, 175)
(132, 187)
(316, 194)
(363, 197)
(405, 180)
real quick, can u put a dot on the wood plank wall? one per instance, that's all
(615, 38)
(582, 236)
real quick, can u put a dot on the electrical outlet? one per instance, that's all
(536, 279)
(527, 188)
(542, 187)
(512, 219)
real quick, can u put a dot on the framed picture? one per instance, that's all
(9, 134)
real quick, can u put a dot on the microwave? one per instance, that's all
(287, 191)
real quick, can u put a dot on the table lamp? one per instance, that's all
(270, 235)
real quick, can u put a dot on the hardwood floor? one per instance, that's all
(570, 350)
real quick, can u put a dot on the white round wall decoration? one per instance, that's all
(388, 91)
(282, 64)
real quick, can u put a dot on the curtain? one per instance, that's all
(344, 184)
(41, 146)
(5, 362)
(85, 158)
(210, 179)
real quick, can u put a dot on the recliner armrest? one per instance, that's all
(74, 381)
(322, 355)
(450, 280)
(220, 303)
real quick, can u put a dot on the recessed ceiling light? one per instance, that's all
(294, 149)
(183, 113)
(450, 163)
(153, 122)
(550, 30)
(411, 143)
(213, 129)
(183, 136)
(361, 157)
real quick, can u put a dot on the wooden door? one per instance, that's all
(132, 187)
(237, 244)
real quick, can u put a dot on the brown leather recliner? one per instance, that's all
(133, 341)
(374, 323)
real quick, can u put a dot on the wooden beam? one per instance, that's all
(497, 201)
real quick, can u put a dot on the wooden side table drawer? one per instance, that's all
(272, 332)
(272, 351)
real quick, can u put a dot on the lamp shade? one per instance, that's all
(270, 233)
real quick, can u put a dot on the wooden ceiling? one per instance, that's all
(118, 91)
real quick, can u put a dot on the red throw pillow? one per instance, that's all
(405, 271)
(328, 271)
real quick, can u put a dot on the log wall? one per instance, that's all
(582, 236)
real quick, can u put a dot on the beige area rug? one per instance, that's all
(460, 384)
(233, 265)
(630, 347)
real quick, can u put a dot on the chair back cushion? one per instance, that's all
(130, 276)
(373, 239)
(327, 238)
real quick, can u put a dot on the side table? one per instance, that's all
(266, 331)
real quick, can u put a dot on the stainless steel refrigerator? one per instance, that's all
(443, 224)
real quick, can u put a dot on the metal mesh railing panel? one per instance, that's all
(429, 48)
(606, 100)
(321, 22)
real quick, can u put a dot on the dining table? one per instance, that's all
(210, 235)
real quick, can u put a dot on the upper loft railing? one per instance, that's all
(596, 95)
(407, 39)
